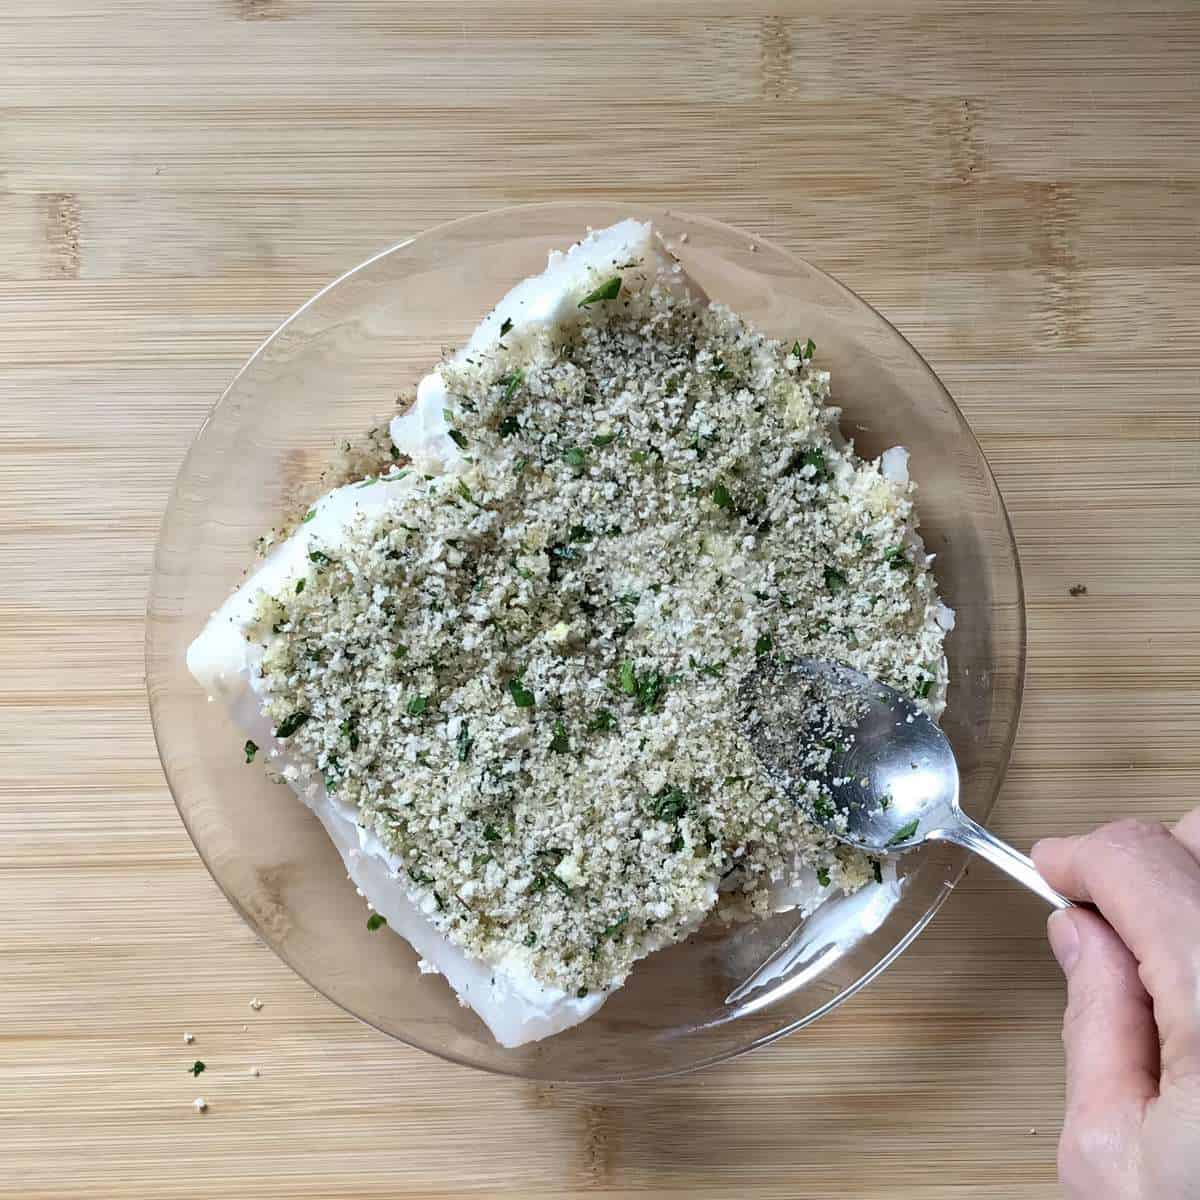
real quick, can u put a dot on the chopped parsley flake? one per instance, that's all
(609, 290)
(650, 689)
(602, 722)
(511, 382)
(670, 805)
(251, 750)
(904, 832)
(196, 1068)
(522, 697)
(505, 326)
(376, 921)
(835, 581)
(290, 724)
(463, 742)
(559, 743)
(628, 679)
(816, 460)
(614, 930)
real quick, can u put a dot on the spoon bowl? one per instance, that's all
(888, 781)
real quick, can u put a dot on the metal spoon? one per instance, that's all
(892, 777)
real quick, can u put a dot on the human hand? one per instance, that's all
(1132, 1027)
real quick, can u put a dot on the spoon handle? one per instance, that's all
(973, 836)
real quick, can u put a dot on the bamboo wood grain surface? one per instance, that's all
(1017, 187)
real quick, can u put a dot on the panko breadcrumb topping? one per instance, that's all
(524, 676)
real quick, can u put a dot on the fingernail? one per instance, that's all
(1064, 940)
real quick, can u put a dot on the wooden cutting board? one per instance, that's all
(1016, 187)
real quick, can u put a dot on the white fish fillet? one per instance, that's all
(514, 1006)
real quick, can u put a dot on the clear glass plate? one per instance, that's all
(336, 367)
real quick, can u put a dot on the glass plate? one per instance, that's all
(335, 368)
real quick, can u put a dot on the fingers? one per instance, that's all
(1112, 1056)
(1147, 884)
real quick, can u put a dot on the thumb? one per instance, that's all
(1112, 1050)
